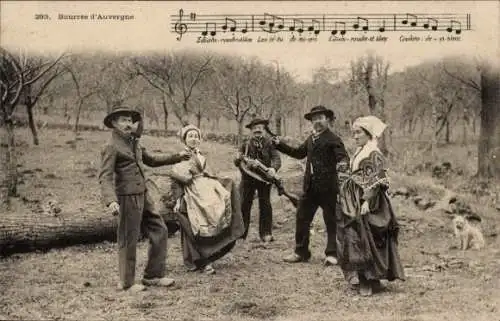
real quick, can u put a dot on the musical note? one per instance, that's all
(413, 23)
(273, 22)
(232, 28)
(382, 28)
(428, 23)
(245, 30)
(213, 32)
(342, 31)
(457, 30)
(180, 27)
(365, 27)
(293, 28)
(315, 26)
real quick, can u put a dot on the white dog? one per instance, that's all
(470, 236)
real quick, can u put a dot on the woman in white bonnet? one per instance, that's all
(367, 228)
(208, 207)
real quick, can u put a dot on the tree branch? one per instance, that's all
(471, 83)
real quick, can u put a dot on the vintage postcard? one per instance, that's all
(249, 160)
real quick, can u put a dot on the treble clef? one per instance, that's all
(180, 27)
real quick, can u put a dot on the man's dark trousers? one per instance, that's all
(131, 221)
(307, 208)
(248, 187)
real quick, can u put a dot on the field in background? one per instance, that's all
(252, 283)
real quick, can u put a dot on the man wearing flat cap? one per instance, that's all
(122, 180)
(324, 151)
(258, 147)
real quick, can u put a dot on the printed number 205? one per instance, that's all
(42, 16)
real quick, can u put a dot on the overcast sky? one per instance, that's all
(151, 30)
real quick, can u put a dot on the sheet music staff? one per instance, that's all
(341, 24)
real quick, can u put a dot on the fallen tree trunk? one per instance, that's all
(20, 233)
(35, 232)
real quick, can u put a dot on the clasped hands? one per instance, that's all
(185, 155)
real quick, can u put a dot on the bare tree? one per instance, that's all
(34, 91)
(370, 73)
(241, 87)
(486, 83)
(115, 88)
(15, 76)
(175, 75)
(83, 92)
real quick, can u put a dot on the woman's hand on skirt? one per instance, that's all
(177, 206)
(365, 208)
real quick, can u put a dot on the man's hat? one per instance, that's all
(257, 121)
(119, 111)
(319, 110)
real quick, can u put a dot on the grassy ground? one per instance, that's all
(251, 283)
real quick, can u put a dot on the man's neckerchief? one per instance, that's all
(258, 143)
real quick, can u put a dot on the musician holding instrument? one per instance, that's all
(258, 161)
(325, 151)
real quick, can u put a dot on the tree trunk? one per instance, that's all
(464, 134)
(240, 130)
(11, 160)
(24, 233)
(277, 122)
(447, 132)
(198, 120)
(165, 112)
(77, 118)
(31, 123)
(434, 137)
(489, 136)
(4, 167)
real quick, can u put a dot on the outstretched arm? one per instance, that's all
(298, 153)
(160, 160)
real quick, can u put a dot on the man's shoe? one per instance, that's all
(209, 269)
(295, 258)
(331, 260)
(133, 289)
(377, 286)
(354, 282)
(163, 282)
(365, 289)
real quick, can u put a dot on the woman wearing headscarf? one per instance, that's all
(208, 207)
(367, 227)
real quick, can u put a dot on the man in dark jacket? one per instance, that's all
(258, 147)
(324, 151)
(122, 181)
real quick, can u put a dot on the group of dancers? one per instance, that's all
(213, 213)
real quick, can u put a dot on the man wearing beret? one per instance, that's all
(324, 151)
(258, 147)
(122, 181)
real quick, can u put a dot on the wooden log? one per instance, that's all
(34, 231)
(31, 232)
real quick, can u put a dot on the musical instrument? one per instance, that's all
(254, 168)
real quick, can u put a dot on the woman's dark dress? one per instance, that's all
(367, 244)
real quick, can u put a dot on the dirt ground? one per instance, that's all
(252, 283)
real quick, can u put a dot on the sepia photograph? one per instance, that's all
(250, 160)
